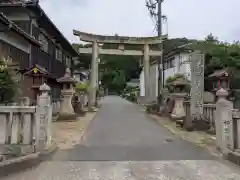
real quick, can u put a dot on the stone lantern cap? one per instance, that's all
(44, 87)
(222, 93)
(67, 78)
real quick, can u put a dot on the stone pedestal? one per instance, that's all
(178, 112)
(224, 123)
(66, 110)
(66, 105)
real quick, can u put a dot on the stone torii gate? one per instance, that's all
(121, 41)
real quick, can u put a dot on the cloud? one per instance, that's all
(186, 18)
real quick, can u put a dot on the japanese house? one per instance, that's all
(15, 50)
(49, 61)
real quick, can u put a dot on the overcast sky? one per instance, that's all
(186, 18)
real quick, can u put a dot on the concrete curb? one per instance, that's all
(200, 142)
(23, 163)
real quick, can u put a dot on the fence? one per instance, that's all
(208, 112)
(26, 129)
(18, 126)
(236, 129)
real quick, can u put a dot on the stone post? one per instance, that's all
(146, 67)
(45, 116)
(93, 77)
(223, 122)
(25, 101)
(197, 88)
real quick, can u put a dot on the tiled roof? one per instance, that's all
(17, 29)
(218, 73)
(34, 5)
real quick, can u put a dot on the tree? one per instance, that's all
(210, 38)
(7, 84)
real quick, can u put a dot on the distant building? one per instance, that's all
(175, 62)
(43, 63)
(133, 83)
(81, 76)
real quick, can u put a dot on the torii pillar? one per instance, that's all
(146, 68)
(93, 77)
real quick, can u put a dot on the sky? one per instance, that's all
(186, 18)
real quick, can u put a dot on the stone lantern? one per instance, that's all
(66, 109)
(179, 86)
(220, 79)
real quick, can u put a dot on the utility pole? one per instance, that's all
(160, 59)
(157, 16)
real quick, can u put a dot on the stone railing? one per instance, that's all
(208, 112)
(26, 129)
(18, 126)
(236, 129)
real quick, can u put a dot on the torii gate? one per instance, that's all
(121, 41)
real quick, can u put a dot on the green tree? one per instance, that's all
(210, 38)
(7, 85)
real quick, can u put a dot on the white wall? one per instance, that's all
(181, 65)
(142, 87)
(153, 83)
(77, 77)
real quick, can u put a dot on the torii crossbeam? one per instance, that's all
(121, 41)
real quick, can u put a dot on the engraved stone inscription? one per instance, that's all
(197, 83)
(226, 130)
(43, 122)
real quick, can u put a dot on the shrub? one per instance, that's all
(81, 87)
(171, 79)
(7, 85)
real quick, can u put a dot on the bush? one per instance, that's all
(171, 79)
(81, 87)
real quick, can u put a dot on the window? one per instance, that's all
(44, 42)
(168, 64)
(180, 59)
(165, 65)
(172, 62)
(58, 54)
(68, 62)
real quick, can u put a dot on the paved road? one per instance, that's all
(121, 132)
(122, 143)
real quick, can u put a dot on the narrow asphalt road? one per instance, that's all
(123, 143)
(121, 132)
